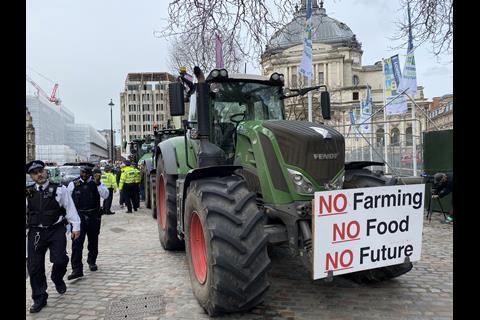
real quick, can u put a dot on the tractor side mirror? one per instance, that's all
(203, 110)
(325, 104)
(177, 102)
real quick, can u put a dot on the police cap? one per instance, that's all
(128, 162)
(35, 164)
(87, 167)
(108, 167)
(97, 171)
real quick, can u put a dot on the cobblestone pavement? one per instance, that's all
(133, 266)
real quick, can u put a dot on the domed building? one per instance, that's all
(337, 63)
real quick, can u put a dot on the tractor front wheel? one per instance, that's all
(226, 245)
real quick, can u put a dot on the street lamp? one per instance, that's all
(111, 131)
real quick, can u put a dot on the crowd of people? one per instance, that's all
(53, 210)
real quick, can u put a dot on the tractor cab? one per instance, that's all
(224, 101)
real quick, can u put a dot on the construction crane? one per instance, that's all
(52, 97)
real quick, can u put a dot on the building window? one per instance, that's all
(294, 77)
(148, 96)
(355, 96)
(395, 137)
(321, 78)
(355, 80)
(161, 96)
(161, 117)
(157, 96)
(409, 136)
(380, 135)
(161, 106)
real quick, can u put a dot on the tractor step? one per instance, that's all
(277, 233)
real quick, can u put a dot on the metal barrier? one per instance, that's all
(371, 147)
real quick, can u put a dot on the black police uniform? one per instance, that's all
(45, 219)
(86, 197)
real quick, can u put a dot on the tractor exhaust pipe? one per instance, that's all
(307, 234)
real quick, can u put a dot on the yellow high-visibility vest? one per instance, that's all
(128, 176)
(109, 180)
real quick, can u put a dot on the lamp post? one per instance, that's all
(111, 104)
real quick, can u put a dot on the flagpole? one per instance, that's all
(414, 138)
(310, 101)
(371, 122)
(387, 127)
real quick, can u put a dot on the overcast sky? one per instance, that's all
(89, 46)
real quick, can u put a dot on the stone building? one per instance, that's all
(337, 63)
(30, 137)
(441, 113)
(144, 103)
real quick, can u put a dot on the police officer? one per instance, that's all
(109, 180)
(86, 192)
(127, 185)
(47, 204)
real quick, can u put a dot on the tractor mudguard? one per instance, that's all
(167, 149)
(215, 171)
(149, 165)
(353, 165)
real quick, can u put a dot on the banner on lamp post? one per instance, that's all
(391, 72)
(306, 63)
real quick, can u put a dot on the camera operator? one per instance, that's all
(442, 186)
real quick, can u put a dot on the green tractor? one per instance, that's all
(148, 163)
(243, 178)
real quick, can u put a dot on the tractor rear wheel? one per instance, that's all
(226, 245)
(167, 209)
(364, 178)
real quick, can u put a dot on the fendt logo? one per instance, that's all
(323, 156)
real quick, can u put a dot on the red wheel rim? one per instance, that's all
(197, 245)
(162, 204)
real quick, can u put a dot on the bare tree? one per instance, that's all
(432, 22)
(183, 52)
(244, 25)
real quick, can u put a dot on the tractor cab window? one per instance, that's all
(234, 102)
(192, 111)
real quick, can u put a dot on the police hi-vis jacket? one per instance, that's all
(109, 180)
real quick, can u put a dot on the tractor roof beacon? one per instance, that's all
(242, 177)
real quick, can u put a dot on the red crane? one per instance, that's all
(51, 98)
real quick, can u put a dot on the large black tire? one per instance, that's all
(167, 209)
(146, 187)
(222, 214)
(364, 178)
(152, 186)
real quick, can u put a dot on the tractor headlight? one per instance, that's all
(215, 73)
(223, 73)
(337, 182)
(301, 183)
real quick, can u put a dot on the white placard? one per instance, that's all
(366, 228)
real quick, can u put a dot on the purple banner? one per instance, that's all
(218, 52)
